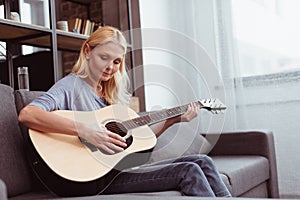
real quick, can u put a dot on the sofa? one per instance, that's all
(246, 159)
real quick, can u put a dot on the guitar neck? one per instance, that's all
(157, 116)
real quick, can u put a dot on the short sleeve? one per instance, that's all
(69, 93)
(50, 100)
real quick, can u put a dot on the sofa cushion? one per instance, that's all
(14, 170)
(178, 140)
(242, 173)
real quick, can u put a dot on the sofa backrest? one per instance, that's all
(22, 99)
(14, 168)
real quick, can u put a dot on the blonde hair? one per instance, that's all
(114, 90)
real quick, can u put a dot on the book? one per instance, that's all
(82, 26)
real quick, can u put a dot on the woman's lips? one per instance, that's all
(106, 74)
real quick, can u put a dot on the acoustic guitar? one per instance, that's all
(71, 166)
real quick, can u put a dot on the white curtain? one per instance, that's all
(226, 62)
(265, 101)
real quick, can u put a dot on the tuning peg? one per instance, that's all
(214, 111)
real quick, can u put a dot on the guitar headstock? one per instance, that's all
(213, 105)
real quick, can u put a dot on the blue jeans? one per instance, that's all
(193, 175)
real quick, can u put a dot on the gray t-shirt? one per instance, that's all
(70, 93)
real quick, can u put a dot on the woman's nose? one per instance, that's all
(109, 65)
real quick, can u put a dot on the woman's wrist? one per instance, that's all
(171, 121)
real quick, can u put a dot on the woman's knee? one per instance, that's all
(208, 159)
(198, 162)
(205, 161)
(193, 168)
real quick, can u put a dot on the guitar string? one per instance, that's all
(150, 118)
(153, 117)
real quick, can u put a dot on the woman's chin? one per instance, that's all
(105, 78)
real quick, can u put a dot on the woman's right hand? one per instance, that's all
(101, 137)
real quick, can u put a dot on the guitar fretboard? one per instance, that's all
(157, 116)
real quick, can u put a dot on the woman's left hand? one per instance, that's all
(191, 113)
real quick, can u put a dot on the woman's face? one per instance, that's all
(104, 61)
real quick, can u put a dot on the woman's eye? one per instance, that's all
(118, 61)
(103, 57)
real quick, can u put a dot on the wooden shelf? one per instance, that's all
(66, 41)
(16, 34)
(42, 41)
(84, 2)
(70, 41)
(12, 30)
(39, 36)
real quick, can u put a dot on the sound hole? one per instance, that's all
(119, 129)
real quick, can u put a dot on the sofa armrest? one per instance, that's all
(249, 142)
(3, 192)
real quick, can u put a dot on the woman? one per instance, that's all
(99, 79)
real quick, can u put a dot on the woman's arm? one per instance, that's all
(97, 134)
(43, 121)
(189, 115)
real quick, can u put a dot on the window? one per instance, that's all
(2, 51)
(2, 11)
(34, 12)
(266, 33)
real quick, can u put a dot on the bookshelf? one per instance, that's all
(14, 34)
(38, 36)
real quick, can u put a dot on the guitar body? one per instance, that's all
(69, 166)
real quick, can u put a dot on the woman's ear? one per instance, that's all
(87, 51)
